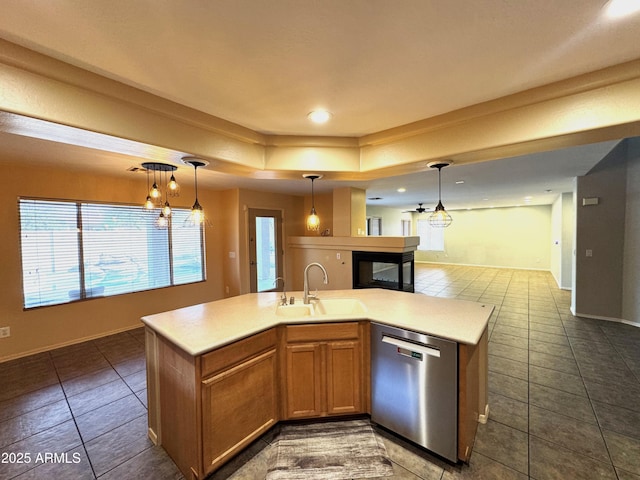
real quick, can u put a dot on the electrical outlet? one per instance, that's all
(5, 332)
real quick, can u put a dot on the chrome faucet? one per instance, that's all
(306, 280)
(283, 298)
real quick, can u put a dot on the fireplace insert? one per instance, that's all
(393, 271)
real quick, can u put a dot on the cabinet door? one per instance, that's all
(344, 380)
(304, 381)
(238, 405)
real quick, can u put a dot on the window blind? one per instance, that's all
(430, 238)
(78, 250)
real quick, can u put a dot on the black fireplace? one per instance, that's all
(393, 271)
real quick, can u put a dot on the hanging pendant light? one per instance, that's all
(197, 216)
(439, 218)
(155, 193)
(313, 221)
(148, 204)
(173, 189)
(154, 197)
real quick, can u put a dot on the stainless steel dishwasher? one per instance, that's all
(414, 387)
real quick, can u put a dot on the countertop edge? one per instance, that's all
(262, 306)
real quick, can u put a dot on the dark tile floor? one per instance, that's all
(564, 397)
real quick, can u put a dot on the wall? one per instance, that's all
(514, 237)
(600, 230)
(555, 266)
(631, 271)
(47, 327)
(562, 239)
(391, 219)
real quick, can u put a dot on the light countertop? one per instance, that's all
(200, 328)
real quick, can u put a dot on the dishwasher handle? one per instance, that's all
(411, 347)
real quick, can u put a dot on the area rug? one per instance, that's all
(329, 451)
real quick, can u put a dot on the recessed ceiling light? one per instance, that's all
(401, 190)
(459, 182)
(622, 8)
(319, 116)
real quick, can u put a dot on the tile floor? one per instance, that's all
(564, 397)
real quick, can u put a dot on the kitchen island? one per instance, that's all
(221, 374)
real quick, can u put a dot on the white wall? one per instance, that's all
(631, 271)
(514, 237)
(391, 219)
(556, 240)
(562, 233)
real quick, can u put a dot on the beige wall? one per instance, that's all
(631, 272)
(339, 270)
(601, 229)
(515, 237)
(47, 327)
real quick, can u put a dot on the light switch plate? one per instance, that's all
(5, 332)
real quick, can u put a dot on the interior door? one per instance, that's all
(266, 249)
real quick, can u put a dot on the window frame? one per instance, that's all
(84, 289)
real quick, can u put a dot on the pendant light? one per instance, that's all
(155, 192)
(148, 204)
(313, 221)
(197, 212)
(439, 218)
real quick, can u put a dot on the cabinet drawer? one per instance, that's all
(322, 331)
(237, 352)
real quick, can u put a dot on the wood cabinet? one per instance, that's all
(205, 409)
(238, 405)
(214, 405)
(472, 393)
(323, 370)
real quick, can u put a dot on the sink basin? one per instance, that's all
(295, 310)
(339, 306)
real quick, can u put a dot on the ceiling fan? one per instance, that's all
(420, 209)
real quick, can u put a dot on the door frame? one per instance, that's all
(252, 214)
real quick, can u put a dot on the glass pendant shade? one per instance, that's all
(173, 188)
(162, 221)
(155, 191)
(148, 204)
(197, 216)
(313, 221)
(197, 213)
(166, 209)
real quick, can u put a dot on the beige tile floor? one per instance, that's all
(564, 396)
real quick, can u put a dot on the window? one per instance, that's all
(78, 250)
(430, 238)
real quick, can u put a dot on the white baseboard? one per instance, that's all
(483, 417)
(606, 319)
(482, 266)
